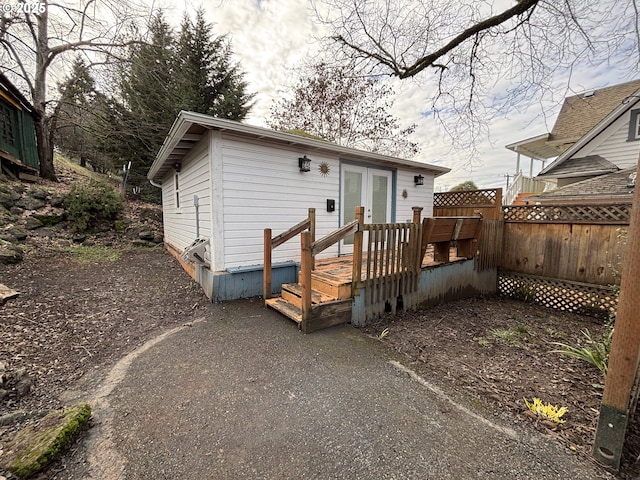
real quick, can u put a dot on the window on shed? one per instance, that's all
(7, 135)
(177, 189)
(634, 125)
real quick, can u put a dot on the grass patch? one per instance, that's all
(94, 254)
(512, 335)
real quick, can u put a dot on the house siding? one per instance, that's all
(613, 145)
(263, 188)
(180, 223)
(417, 196)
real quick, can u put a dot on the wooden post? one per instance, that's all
(417, 211)
(266, 274)
(623, 359)
(356, 273)
(305, 278)
(498, 213)
(312, 229)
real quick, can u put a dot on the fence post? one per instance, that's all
(498, 213)
(617, 398)
(305, 278)
(417, 211)
(312, 229)
(266, 273)
(356, 273)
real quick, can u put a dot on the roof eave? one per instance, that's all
(186, 119)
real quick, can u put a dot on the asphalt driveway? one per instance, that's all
(244, 395)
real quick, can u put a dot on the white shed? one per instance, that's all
(227, 181)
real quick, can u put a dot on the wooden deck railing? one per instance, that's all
(310, 248)
(270, 243)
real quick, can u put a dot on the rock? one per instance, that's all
(11, 418)
(56, 201)
(45, 233)
(23, 387)
(24, 382)
(32, 223)
(30, 203)
(158, 238)
(17, 211)
(50, 219)
(146, 235)
(10, 254)
(35, 447)
(7, 237)
(18, 233)
(3, 394)
(39, 194)
(6, 200)
(79, 238)
(141, 243)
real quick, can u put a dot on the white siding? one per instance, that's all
(180, 224)
(263, 188)
(417, 195)
(612, 144)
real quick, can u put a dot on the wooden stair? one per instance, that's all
(330, 302)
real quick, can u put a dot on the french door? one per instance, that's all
(368, 187)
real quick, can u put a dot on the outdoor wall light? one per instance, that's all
(418, 180)
(177, 166)
(304, 164)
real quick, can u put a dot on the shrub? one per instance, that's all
(595, 352)
(88, 205)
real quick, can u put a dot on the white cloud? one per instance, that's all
(271, 37)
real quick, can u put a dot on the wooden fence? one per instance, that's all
(562, 256)
(487, 202)
(575, 243)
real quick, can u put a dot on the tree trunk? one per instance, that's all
(44, 134)
(45, 151)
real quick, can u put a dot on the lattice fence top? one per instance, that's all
(464, 198)
(600, 214)
(593, 300)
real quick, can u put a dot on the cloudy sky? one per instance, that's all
(271, 37)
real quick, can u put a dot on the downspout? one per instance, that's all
(157, 185)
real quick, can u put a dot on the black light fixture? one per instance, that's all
(304, 164)
(177, 166)
(418, 180)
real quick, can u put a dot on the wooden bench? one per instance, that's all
(442, 231)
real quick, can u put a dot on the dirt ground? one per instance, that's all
(78, 313)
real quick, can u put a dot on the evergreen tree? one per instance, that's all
(149, 93)
(208, 82)
(73, 112)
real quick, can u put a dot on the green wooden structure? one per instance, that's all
(18, 148)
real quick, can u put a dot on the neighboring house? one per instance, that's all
(18, 148)
(608, 189)
(228, 181)
(596, 133)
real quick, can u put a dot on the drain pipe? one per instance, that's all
(196, 203)
(157, 185)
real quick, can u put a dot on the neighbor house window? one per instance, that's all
(7, 135)
(634, 125)
(177, 189)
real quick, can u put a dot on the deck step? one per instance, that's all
(292, 293)
(332, 285)
(287, 309)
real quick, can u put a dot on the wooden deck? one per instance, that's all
(339, 269)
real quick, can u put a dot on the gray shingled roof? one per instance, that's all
(583, 166)
(604, 186)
